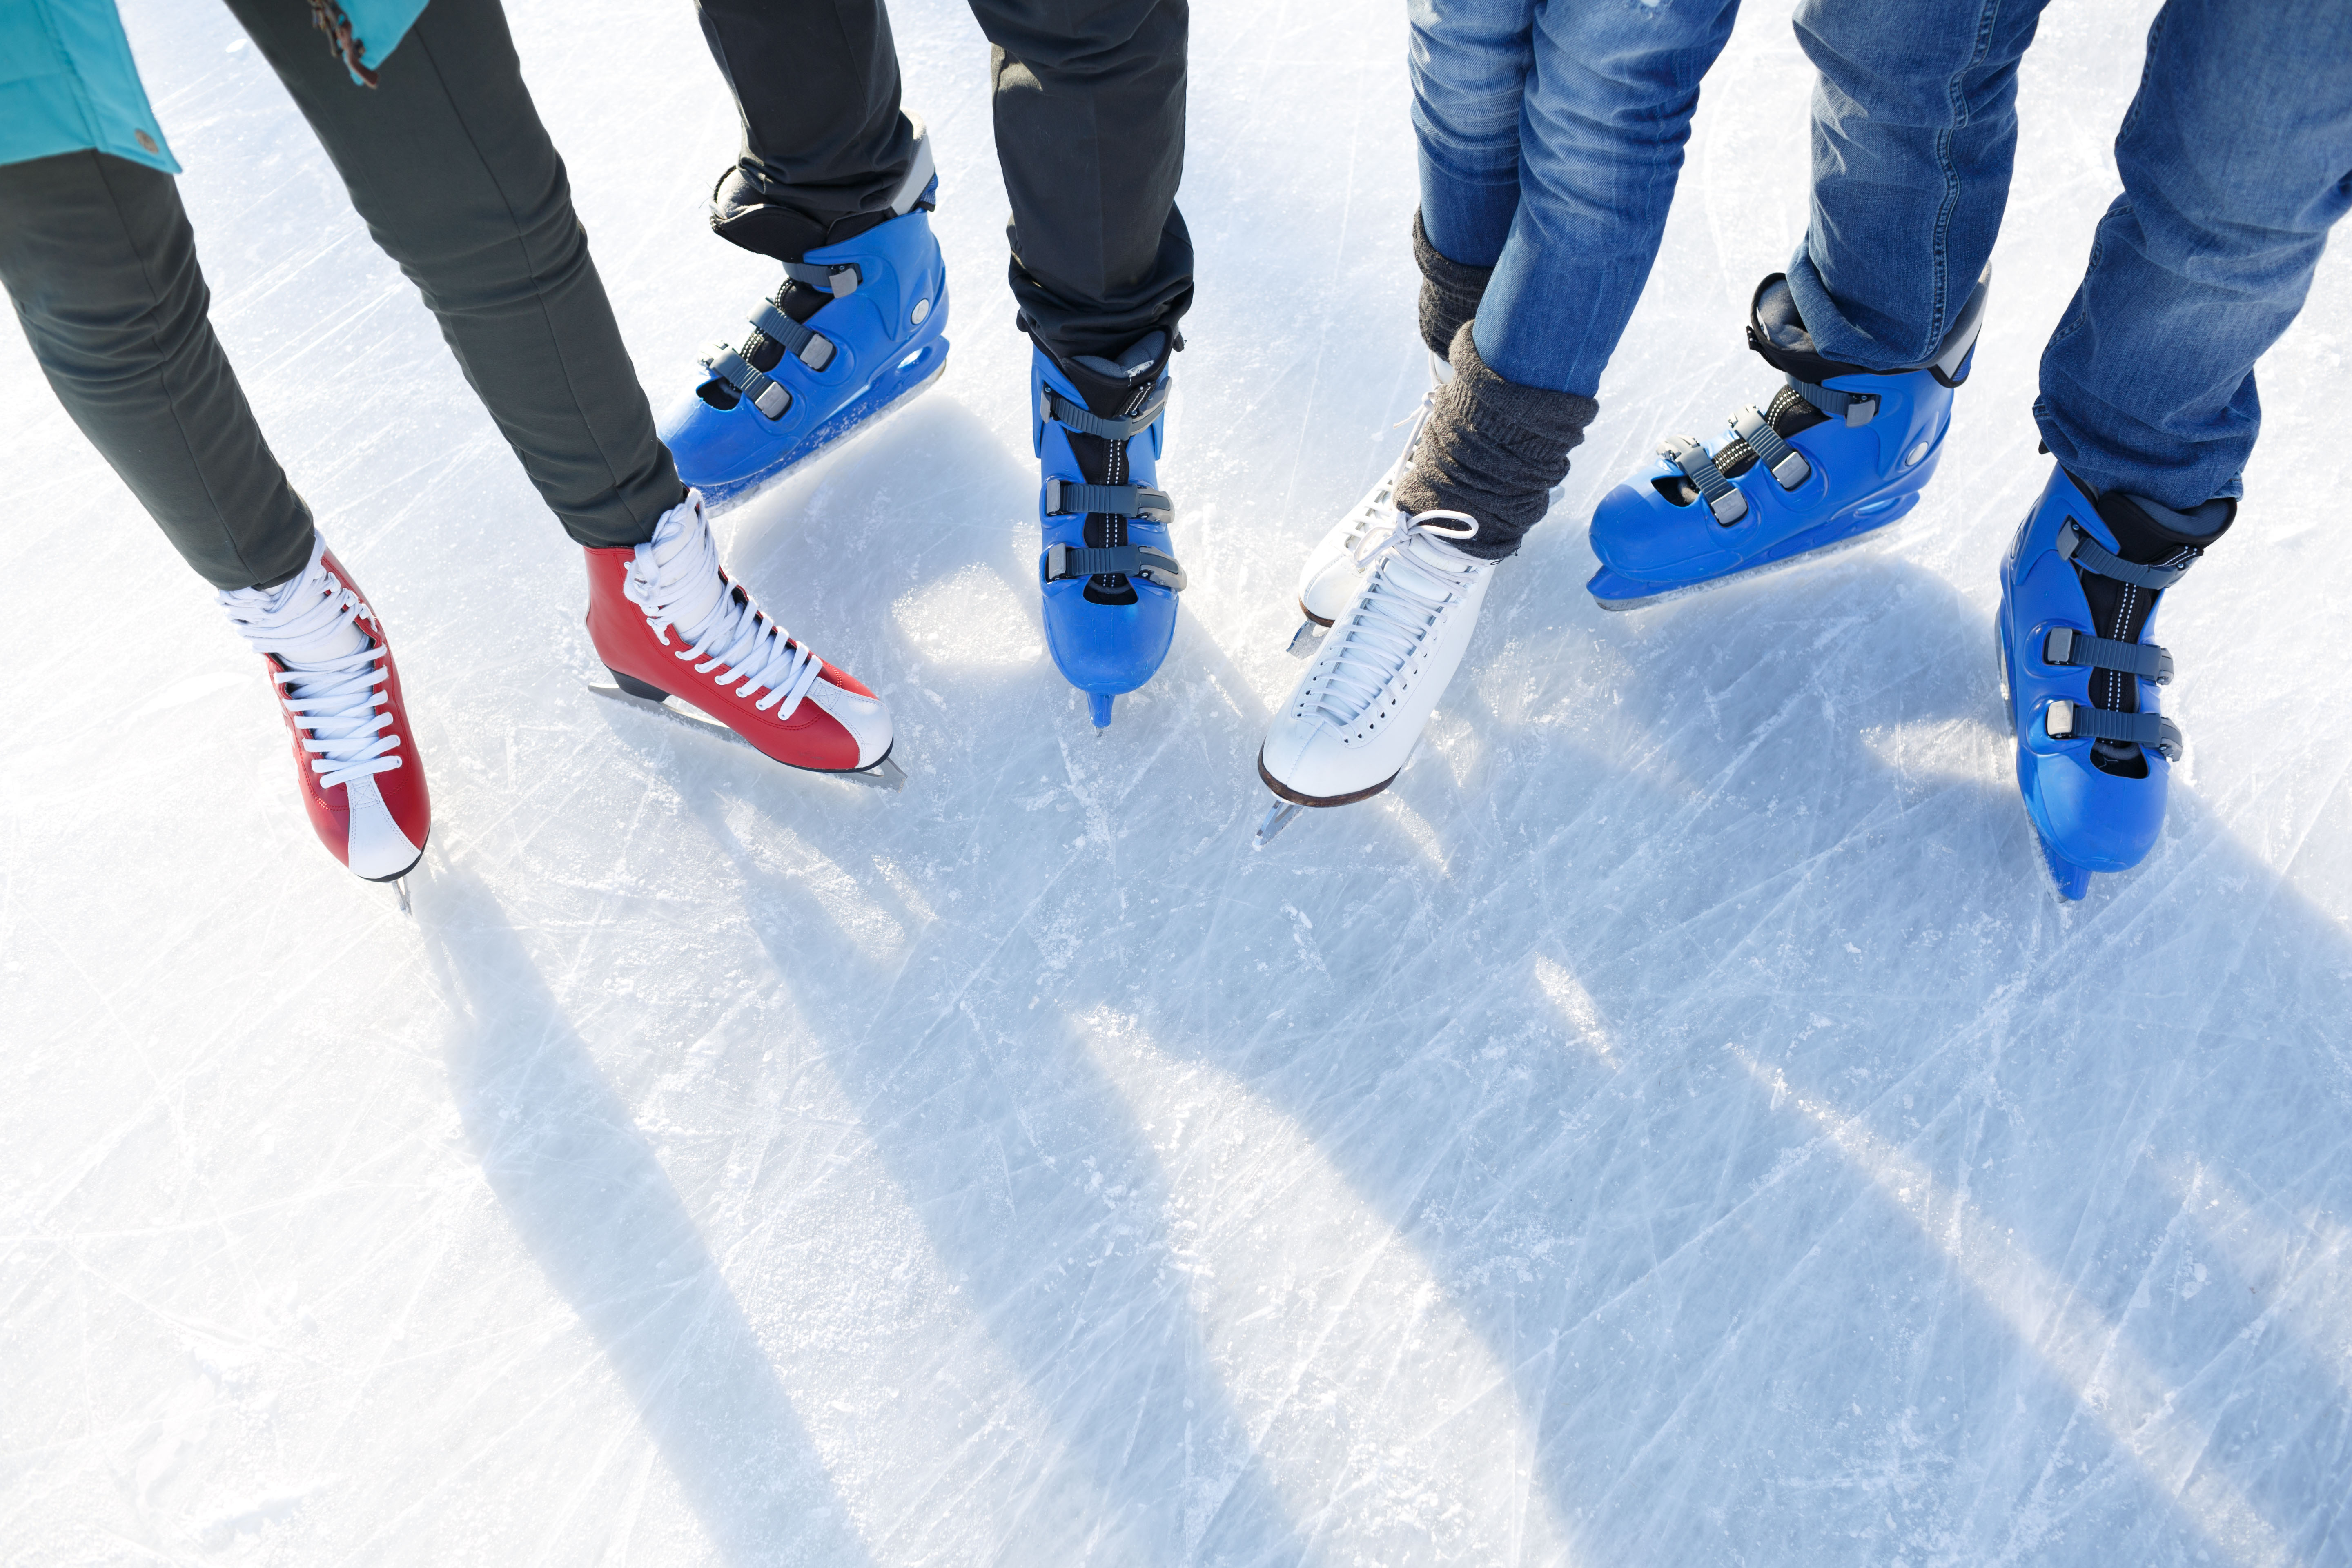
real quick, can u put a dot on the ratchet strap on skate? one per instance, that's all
(812, 348)
(2068, 721)
(1854, 407)
(1723, 498)
(1753, 427)
(1066, 561)
(1053, 405)
(2094, 557)
(1068, 498)
(732, 363)
(2081, 650)
(839, 280)
(2079, 720)
(726, 363)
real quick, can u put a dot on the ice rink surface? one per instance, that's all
(1676, 1125)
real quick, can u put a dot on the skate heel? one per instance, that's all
(636, 687)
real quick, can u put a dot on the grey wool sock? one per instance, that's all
(1450, 291)
(1494, 449)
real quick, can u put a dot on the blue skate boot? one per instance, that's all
(855, 329)
(2078, 591)
(1838, 453)
(1108, 571)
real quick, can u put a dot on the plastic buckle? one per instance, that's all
(1053, 507)
(2058, 647)
(775, 400)
(1861, 408)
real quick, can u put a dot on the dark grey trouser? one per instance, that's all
(1089, 101)
(448, 164)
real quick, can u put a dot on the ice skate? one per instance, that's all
(669, 624)
(1330, 575)
(855, 329)
(1353, 720)
(1108, 570)
(362, 781)
(2079, 681)
(1837, 454)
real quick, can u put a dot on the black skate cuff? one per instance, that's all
(1494, 449)
(1450, 291)
(2147, 534)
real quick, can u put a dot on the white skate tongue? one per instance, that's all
(678, 568)
(1415, 575)
(301, 620)
(334, 676)
(675, 579)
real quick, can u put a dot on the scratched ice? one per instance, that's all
(1675, 1126)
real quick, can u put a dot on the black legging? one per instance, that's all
(447, 162)
(1089, 101)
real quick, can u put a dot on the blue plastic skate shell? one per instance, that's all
(1859, 479)
(1861, 467)
(2088, 820)
(1102, 649)
(888, 339)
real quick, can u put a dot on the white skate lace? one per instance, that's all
(676, 579)
(338, 703)
(1408, 589)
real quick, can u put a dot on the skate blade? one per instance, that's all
(1277, 816)
(833, 433)
(885, 774)
(1761, 568)
(2072, 883)
(400, 890)
(1307, 640)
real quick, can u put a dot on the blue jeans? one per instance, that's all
(2236, 158)
(1551, 133)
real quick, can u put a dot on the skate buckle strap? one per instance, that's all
(769, 397)
(1787, 464)
(2066, 646)
(1053, 405)
(814, 350)
(2080, 722)
(839, 280)
(2079, 547)
(1068, 498)
(1723, 498)
(1067, 561)
(1854, 407)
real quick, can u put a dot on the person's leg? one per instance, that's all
(100, 263)
(99, 260)
(1606, 112)
(447, 162)
(1601, 147)
(1590, 103)
(824, 145)
(1874, 324)
(1469, 64)
(1914, 127)
(2236, 160)
(837, 183)
(1089, 104)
